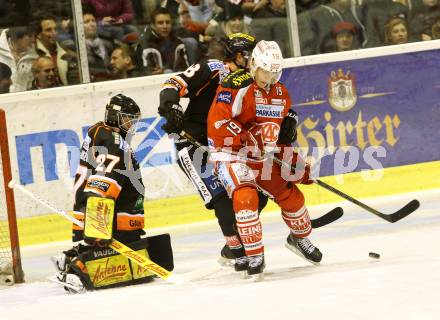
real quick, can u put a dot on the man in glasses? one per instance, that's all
(109, 197)
(45, 74)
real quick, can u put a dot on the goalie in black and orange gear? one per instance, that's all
(109, 196)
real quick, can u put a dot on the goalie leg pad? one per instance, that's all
(98, 226)
(102, 268)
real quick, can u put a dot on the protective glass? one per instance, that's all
(128, 122)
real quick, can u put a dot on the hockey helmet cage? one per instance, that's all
(267, 56)
(239, 42)
(120, 111)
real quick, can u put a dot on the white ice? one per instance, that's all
(403, 284)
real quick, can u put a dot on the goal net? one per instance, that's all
(10, 261)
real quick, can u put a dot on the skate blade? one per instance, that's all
(299, 254)
(257, 277)
(73, 289)
(244, 274)
(225, 262)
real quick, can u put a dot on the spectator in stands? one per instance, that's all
(269, 21)
(47, 45)
(304, 5)
(396, 31)
(425, 14)
(344, 33)
(159, 50)
(377, 13)
(98, 49)
(17, 51)
(5, 78)
(200, 10)
(114, 17)
(45, 74)
(230, 21)
(123, 64)
(315, 25)
(434, 33)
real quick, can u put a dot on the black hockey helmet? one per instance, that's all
(120, 111)
(239, 42)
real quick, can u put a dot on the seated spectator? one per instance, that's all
(426, 12)
(17, 52)
(159, 49)
(45, 74)
(200, 10)
(434, 33)
(98, 49)
(315, 25)
(123, 64)
(230, 21)
(344, 34)
(396, 31)
(377, 13)
(114, 17)
(47, 45)
(5, 78)
(269, 22)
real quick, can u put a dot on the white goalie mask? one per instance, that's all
(267, 56)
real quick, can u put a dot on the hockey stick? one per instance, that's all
(392, 217)
(321, 221)
(142, 261)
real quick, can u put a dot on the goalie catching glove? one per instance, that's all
(98, 226)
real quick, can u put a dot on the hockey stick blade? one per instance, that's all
(327, 218)
(402, 213)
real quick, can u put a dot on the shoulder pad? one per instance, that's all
(238, 79)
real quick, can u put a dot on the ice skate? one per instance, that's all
(71, 282)
(226, 257)
(256, 267)
(304, 248)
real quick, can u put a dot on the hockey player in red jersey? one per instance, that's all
(199, 83)
(109, 175)
(250, 114)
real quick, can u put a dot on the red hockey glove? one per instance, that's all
(253, 141)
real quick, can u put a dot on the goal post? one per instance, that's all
(10, 258)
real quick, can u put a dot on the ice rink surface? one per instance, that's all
(403, 284)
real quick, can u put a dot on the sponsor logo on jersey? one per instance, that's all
(215, 65)
(97, 184)
(270, 132)
(278, 101)
(218, 124)
(238, 80)
(261, 100)
(269, 111)
(117, 137)
(103, 253)
(224, 96)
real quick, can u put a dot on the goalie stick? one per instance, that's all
(321, 221)
(115, 244)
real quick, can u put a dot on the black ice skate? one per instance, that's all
(256, 267)
(241, 264)
(304, 248)
(226, 257)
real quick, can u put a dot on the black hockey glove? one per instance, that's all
(287, 134)
(174, 118)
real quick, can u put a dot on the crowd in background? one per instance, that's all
(132, 38)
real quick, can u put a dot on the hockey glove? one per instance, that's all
(252, 140)
(174, 119)
(287, 133)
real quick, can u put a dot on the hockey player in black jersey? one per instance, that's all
(109, 174)
(199, 83)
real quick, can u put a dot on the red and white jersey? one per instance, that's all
(240, 105)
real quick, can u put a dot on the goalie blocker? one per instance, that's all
(88, 268)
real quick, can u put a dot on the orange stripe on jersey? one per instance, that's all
(207, 83)
(79, 216)
(103, 186)
(183, 85)
(128, 222)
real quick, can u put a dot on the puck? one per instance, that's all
(374, 255)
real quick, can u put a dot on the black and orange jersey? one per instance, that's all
(109, 169)
(198, 83)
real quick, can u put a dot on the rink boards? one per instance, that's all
(369, 109)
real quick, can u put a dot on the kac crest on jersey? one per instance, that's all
(342, 90)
